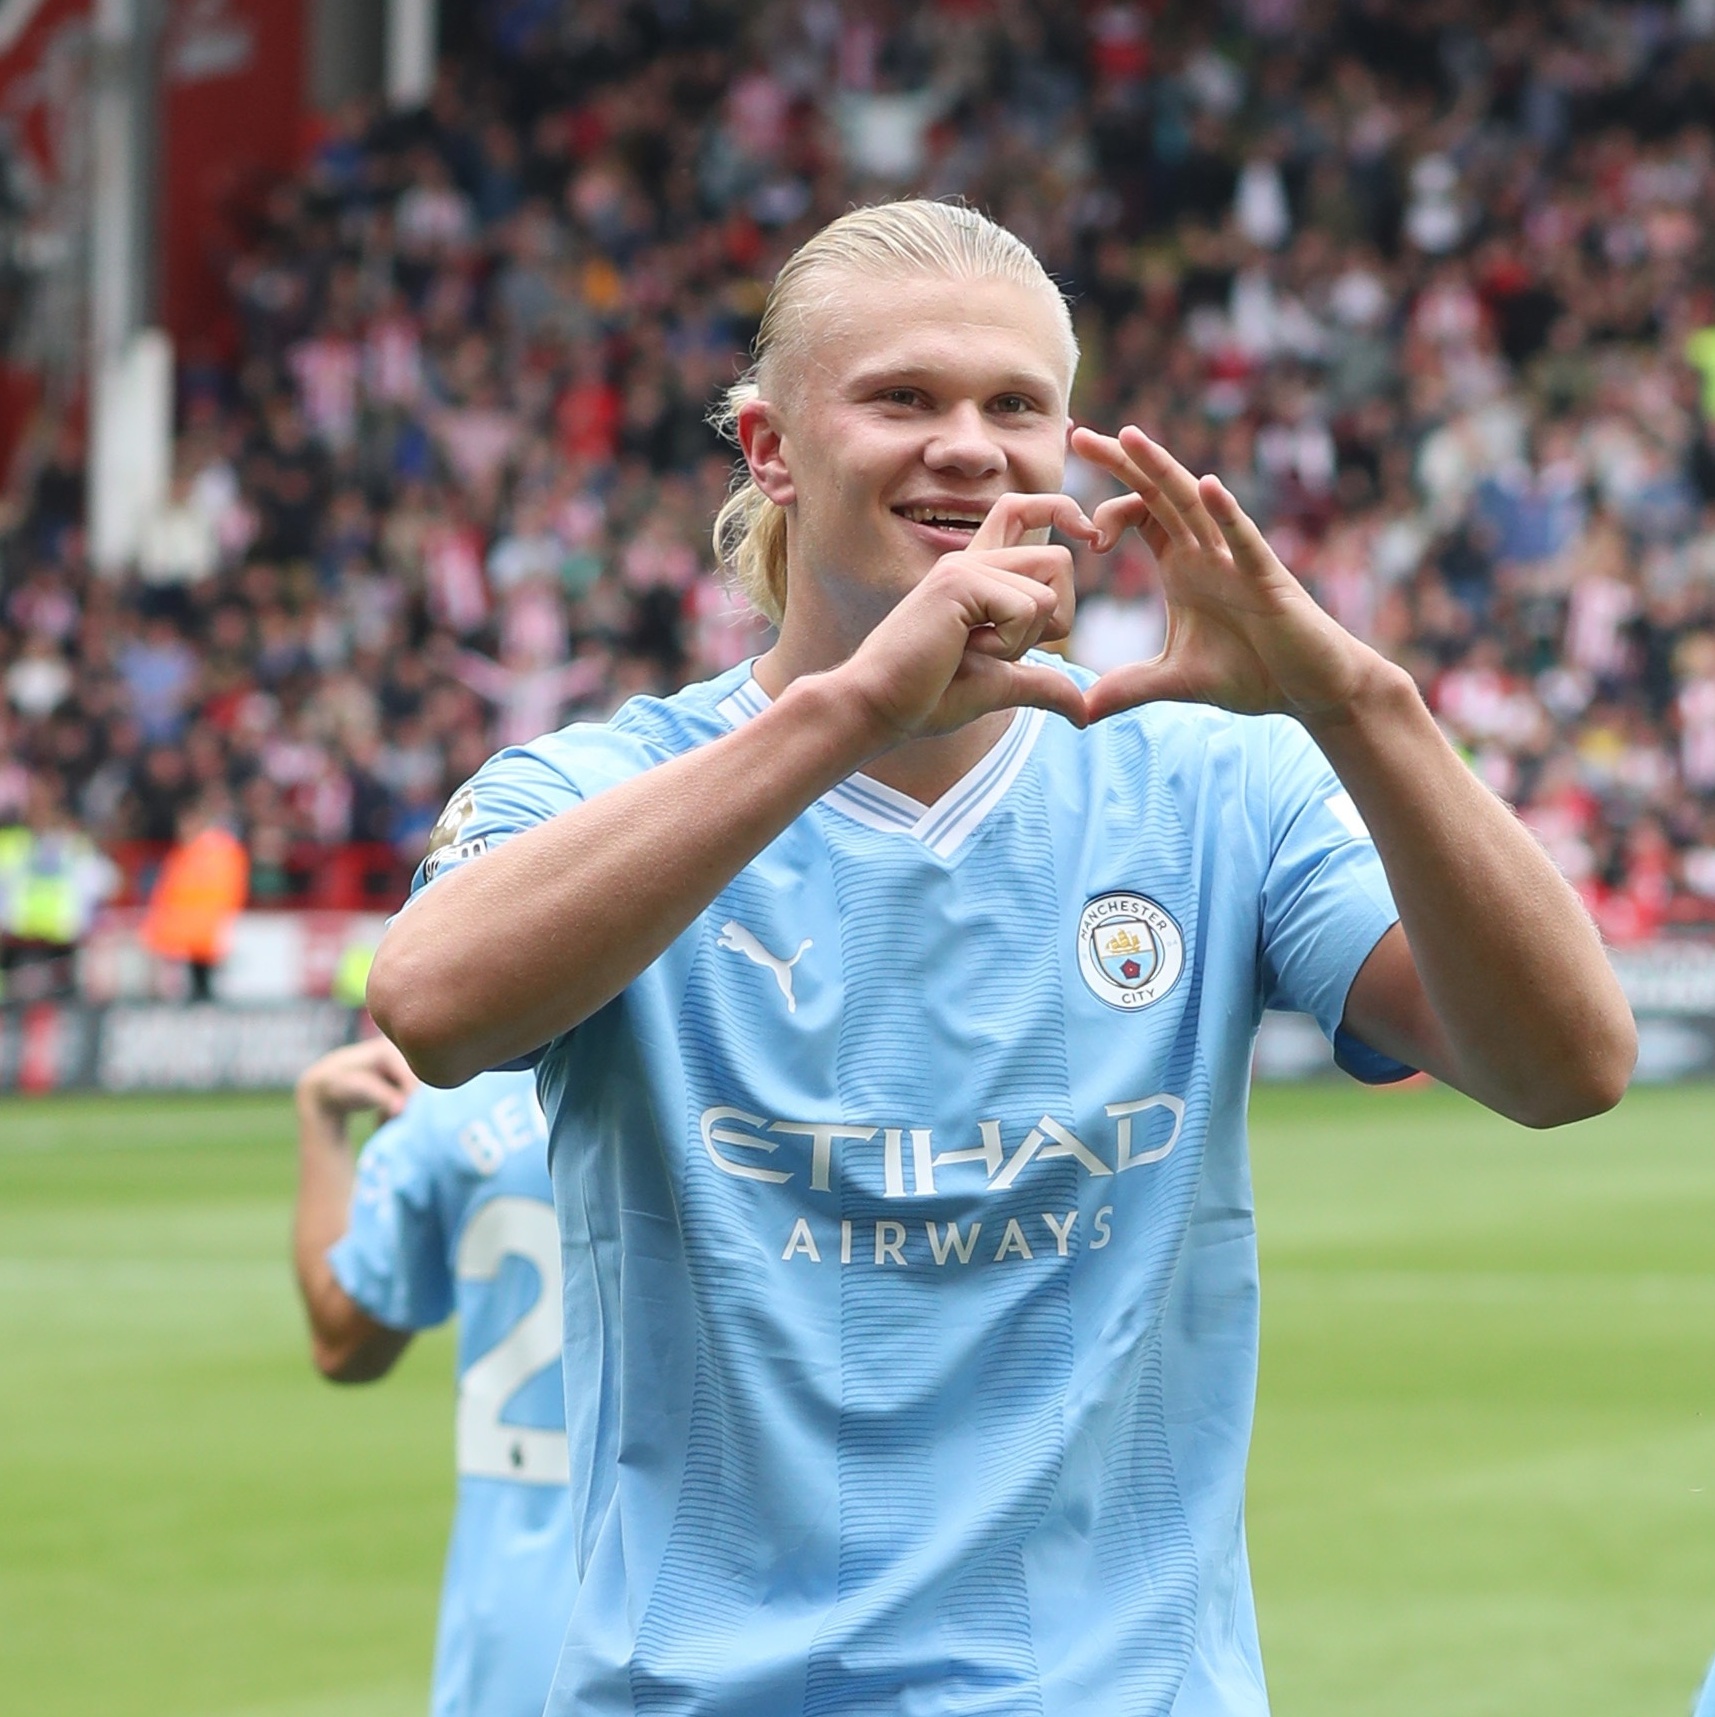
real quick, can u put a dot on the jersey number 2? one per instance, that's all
(516, 1228)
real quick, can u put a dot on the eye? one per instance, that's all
(902, 396)
(1013, 405)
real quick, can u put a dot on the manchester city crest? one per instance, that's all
(1129, 950)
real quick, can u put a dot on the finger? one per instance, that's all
(396, 1070)
(1160, 681)
(362, 1088)
(1014, 618)
(396, 1092)
(1028, 685)
(1034, 570)
(1154, 537)
(1113, 518)
(1250, 547)
(1013, 517)
(1105, 451)
(1166, 525)
(1175, 485)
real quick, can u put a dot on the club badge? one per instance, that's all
(1129, 950)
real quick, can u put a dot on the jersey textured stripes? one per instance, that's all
(453, 1212)
(910, 1188)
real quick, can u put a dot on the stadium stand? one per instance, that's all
(1429, 284)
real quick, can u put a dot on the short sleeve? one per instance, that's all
(1326, 901)
(519, 788)
(392, 1258)
(513, 791)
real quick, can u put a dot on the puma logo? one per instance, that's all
(735, 937)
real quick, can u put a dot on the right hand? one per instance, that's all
(368, 1075)
(949, 653)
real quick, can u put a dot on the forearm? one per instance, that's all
(1526, 1014)
(346, 1344)
(527, 941)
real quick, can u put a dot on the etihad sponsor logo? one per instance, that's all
(780, 1153)
(948, 1245)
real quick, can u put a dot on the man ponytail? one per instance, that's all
(750, 530)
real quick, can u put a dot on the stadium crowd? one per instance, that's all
(1427, 281)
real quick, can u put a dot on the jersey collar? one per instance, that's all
(946, 825)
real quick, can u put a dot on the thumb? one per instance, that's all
(1010, 685)
(1160, 681)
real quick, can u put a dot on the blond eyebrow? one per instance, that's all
(1017, 381)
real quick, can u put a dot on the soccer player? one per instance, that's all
(1705, 1703)
(450, 1209)
(892, 998)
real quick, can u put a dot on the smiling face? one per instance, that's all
(905, 407)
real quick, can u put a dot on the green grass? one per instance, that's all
(192, 1523)
(1483, 1479)
(1483, 1482)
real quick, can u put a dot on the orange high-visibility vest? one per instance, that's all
(200, 890)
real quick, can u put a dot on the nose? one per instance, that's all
(963, 442)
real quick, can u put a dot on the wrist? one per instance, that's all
(1379, 693)
(841, 726)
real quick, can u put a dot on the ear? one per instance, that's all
(764, 446)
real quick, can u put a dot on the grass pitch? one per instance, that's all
(1483, 1479)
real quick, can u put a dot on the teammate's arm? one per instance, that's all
(346, 1343)
(523, 943)
(1494, 979)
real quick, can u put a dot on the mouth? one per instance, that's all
(943, 524)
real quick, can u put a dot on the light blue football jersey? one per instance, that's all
(1705, 1705)
(453, 1212)
(911, 1187)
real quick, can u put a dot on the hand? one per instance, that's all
(950, 651)
(368, 1075)
(1242, 632)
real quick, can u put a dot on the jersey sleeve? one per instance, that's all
(517, 789)
(392, 1259)
(1326, 900)
(513, 791)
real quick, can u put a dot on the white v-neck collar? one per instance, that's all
(946, 825)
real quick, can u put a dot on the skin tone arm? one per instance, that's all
(1494, 980)
(346, 1343)
(591, 897)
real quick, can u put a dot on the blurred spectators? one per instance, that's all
(1430, 285)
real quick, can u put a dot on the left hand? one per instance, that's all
(1242, 632)
(372, 1074)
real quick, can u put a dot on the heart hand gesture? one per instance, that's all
(1242, 632)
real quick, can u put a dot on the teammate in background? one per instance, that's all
(449, 1209)
(895, 1035)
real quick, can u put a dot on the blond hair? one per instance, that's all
(911, 237)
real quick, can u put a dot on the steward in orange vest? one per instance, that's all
(201, 888)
